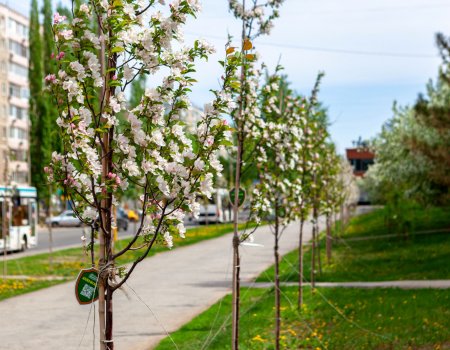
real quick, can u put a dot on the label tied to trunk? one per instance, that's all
(86, 286)
(241, 196)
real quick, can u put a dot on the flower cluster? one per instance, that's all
(263, 13)
(106, 145)
(278, 151)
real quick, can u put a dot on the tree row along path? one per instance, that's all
(165, 292)
(402, 284)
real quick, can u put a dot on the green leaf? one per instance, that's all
(117, 49)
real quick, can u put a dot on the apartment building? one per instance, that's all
(14, 93)
(191, 117)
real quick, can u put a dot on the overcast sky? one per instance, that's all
(372, 52)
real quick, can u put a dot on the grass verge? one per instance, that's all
(416, 258)
(335, 318)
(420, 219)
(68, 262)
(10, 288)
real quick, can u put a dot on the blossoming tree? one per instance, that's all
(305, 166)
(277, 154)
(257, 19)
(150, 148)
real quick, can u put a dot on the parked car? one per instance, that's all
(132, 215)
(66, 219)
(122, 219)
(215, 210)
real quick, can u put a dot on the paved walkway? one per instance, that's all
(406, 284)
(176, 285)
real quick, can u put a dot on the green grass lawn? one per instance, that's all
(345, 318)
(374, 223)
(10, 288)
(68, 262)
(419, 257)
(335, 318)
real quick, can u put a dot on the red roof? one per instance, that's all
(357, 153)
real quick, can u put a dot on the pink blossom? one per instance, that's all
(209, 141)
(48, 170)
(67, 34)
(57, 18)
(50, 78)
(60, 55)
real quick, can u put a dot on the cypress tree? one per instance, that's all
(49, 46)
(50, 68)
(39, 140)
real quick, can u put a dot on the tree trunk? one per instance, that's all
(5, 232)
(236, 258)
(237, 185)
(319, 258)
(277, 284)
(236, 293)
(101, 290)
(109, 344)
(50, 229)
(313, 256)
(105, 239)
(328, 239)
(300, 265)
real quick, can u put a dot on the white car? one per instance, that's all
(216, 209)
(66, 218)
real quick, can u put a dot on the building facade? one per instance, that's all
(360, 160)
(14, 93)
(191, 117)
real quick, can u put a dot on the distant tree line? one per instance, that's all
(412, 164)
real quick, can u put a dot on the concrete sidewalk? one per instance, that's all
(176, 285)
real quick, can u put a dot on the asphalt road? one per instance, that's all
(67, 236)
(63, 238)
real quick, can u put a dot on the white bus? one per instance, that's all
(19, 215)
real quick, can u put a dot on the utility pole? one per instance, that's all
(5, 215)
(50, 228)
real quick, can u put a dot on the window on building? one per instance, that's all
(16, 28)
(361, 164)
(18, 48)
(18, 112)
(19, 155)
(18, 133)
(20, 176)
(18, 91)
(18, 69)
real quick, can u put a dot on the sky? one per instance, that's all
(373, 52)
